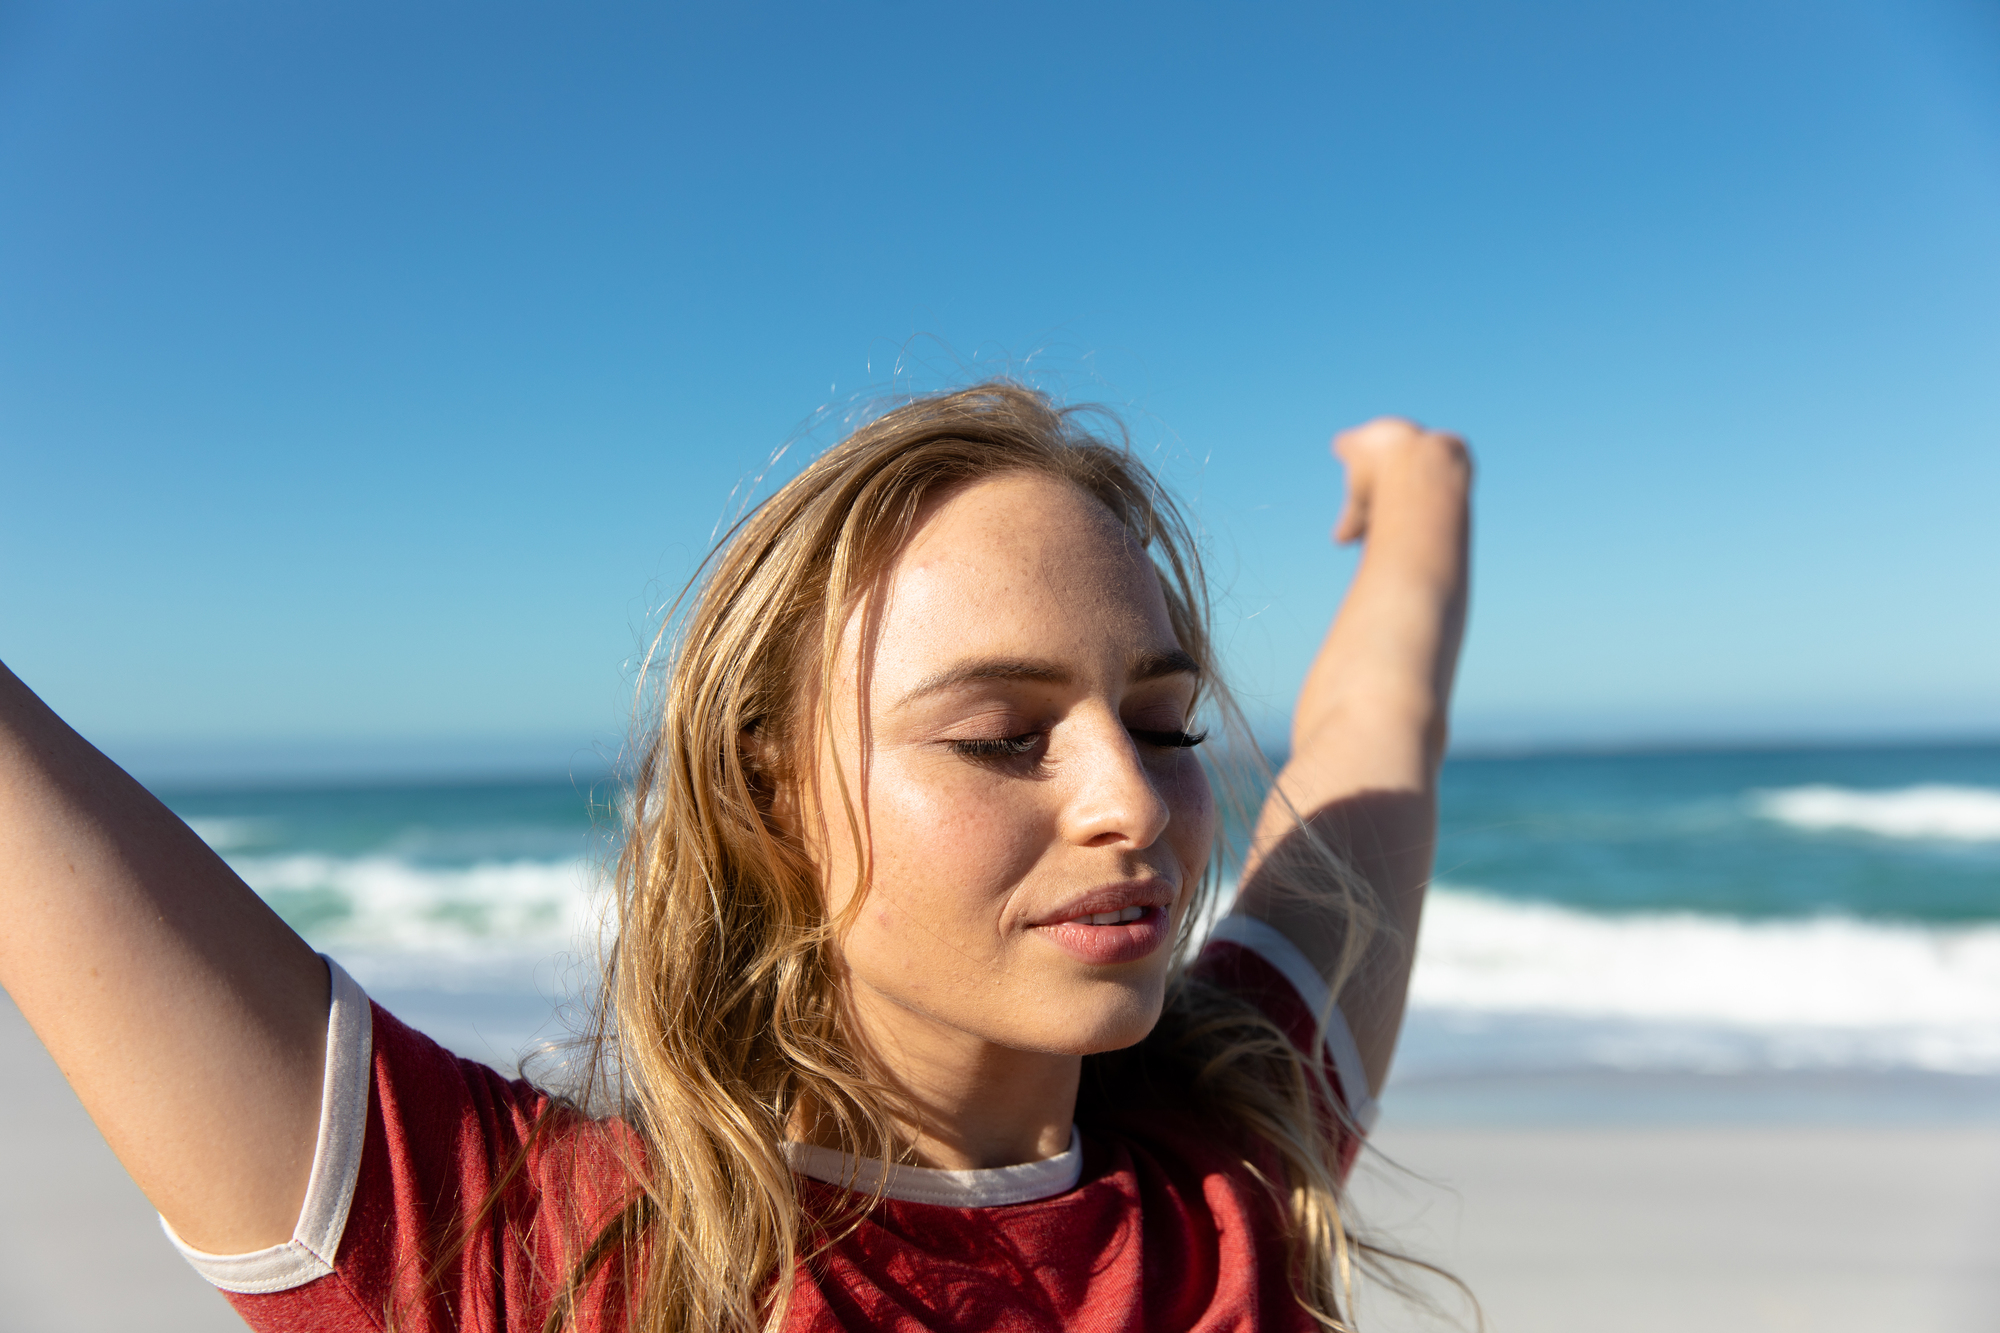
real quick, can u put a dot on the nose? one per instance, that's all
(1114, 800)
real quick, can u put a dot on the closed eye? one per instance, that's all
(1001, 747)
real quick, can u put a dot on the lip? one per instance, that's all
(1126, 942)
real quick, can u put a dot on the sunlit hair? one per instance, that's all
(722, 1016)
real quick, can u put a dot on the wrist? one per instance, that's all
(1422, 513)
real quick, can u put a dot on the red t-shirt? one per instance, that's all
(1153, 1225)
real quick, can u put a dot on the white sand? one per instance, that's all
(80, 1248)
(1720, 1229)
(1629, 1230)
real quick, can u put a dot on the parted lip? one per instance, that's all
(1149, 892)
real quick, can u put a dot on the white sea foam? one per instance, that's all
(503, 909)
(1931, 810)
(1686, 990)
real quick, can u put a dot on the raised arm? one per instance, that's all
(1368, 734)
(190, 1020)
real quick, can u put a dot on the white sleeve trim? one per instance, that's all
(1270, 944)
(343, 1120)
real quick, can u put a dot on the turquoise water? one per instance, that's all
(469, 874)
(1894, 834)
(1834, 909)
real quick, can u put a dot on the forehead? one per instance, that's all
(1022, 564)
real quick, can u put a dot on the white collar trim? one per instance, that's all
(987, 1187)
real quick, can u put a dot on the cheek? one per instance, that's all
(947, 855)
(949, 849)
(1191, 827)
(949, 846)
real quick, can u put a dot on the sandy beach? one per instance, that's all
(80, 1249)
(1560, 1228)
(1729, 1229)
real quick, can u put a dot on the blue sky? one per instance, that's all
(370, 374)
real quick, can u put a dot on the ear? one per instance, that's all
(763, 768)
(754, 753)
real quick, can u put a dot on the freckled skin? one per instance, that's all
(955, 986)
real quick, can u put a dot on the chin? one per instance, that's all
(1096, 1023)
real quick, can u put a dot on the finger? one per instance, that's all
(1353, 520)
(1353, 523)
(1374, 436)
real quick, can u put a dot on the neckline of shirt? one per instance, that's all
(984, 1187)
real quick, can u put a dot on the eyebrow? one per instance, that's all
(1152, 665)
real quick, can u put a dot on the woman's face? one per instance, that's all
(1005, 714)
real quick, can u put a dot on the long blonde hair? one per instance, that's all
(722, 1013)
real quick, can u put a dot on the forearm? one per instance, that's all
(1368, 735)
(1374, 705)
(186, 1015)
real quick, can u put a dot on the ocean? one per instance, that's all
(1829, 911)
(1825, 912)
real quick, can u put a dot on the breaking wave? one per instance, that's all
(1499, 982)
(1689, 990)
(1930, 810)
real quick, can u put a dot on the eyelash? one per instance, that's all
(1014, 747)
(1006, 747)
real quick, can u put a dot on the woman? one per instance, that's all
(899, 1026)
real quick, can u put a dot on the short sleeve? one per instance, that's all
(343, 1108)
(1254, 959)
(469, 1198)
